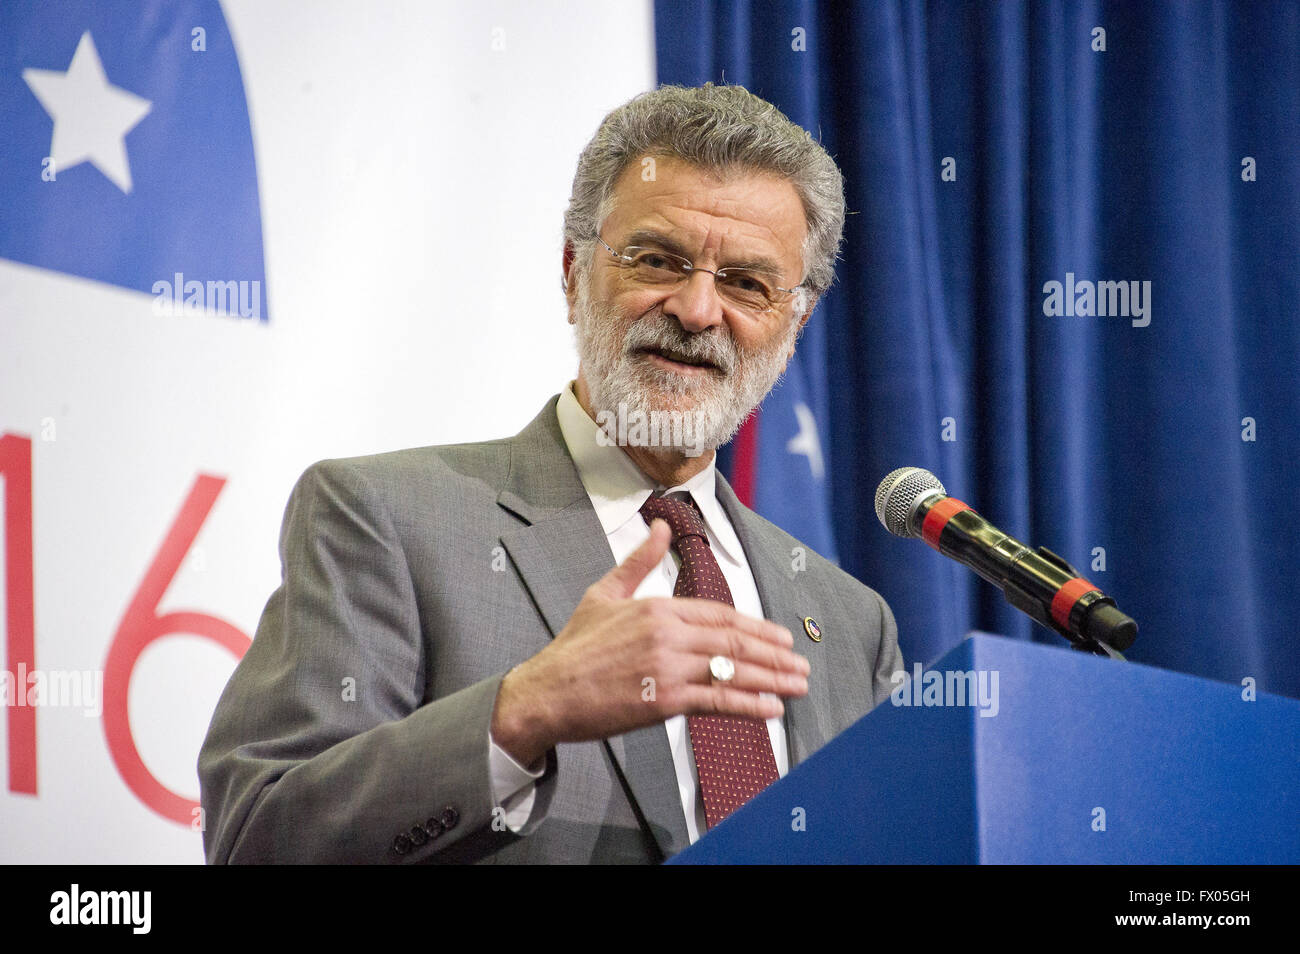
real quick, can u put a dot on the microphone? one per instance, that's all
(911, 502)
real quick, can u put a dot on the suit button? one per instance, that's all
(401, 844)
(419, 836)
(434, 827)
(449, 817)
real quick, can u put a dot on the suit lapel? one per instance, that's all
(785, 601)
(558, 557)
(559, 551)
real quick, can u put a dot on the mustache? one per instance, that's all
(660, 333)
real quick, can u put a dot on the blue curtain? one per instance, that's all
(989, 151)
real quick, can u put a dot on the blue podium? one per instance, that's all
(1007, 752)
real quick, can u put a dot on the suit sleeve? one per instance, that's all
(889, 658)
(322, 748)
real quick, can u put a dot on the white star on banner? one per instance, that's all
(806, 441)
(91, 116)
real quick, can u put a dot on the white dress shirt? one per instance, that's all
(618, 488)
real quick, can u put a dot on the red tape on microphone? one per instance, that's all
(938, 518)
(1066, 597)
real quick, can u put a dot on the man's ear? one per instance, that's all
(570, 279)
(802, 321)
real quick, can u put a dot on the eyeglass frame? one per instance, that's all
(692, 267)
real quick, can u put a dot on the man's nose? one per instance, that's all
(695, 303)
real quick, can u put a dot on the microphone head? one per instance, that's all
(899, 494)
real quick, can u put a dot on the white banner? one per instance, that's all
(235, 240)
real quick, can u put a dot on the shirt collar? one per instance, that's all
(618, 487)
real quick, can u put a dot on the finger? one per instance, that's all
(753, 678)
(621, 582)
(701, 612)
(710, 641)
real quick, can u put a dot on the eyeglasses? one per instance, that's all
(751, 291)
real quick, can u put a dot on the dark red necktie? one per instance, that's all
(732, 755)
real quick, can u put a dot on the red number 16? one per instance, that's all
(141, 626)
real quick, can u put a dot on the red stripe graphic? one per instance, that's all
(743, 460)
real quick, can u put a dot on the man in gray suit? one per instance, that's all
(475, 653)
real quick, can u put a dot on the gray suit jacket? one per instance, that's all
(412, 582)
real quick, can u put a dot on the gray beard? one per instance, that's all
(620, 375)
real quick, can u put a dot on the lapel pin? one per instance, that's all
(812, 629)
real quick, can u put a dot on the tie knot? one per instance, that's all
(682, 516)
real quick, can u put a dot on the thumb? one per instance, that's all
(621, 582)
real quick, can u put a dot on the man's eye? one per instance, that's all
(748, 284)
(653, 260)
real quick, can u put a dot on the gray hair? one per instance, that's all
(721, 129)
